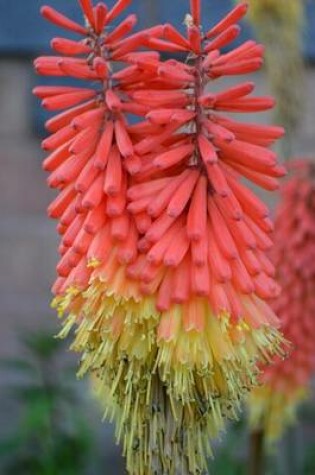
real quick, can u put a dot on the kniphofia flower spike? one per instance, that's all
(163, 265)
(287, 383)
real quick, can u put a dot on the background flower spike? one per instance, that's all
(273, 406)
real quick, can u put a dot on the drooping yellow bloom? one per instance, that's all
(150, 373)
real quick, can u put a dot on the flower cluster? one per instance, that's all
(163, 267)
(286, 383)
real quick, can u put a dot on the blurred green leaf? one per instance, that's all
(17, 365)
(309, 468)
(42, 345)
(52, 437)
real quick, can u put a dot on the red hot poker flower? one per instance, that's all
(163, 265)
(204, 219)
(286, 383)
(90, 150)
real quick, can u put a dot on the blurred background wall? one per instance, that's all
(27, 238)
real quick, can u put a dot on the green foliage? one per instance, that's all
(51, 437)
(309, 468)
(230, 458)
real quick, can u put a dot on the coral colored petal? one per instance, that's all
(120, 227)
(181, 290)
(100, 17)
(220, 267)
(60, 204)
(123, 140)
(200, 280)
(116, 205)
(182, 195)
(128, 251)
(57, 157)
(113, 174)
(226, 37)
(231, 18)
(177, 249)
(87, 8)
(94, 195)
(95, 219)
(65, 118)
(122, 29)
(101, 246)
(161, 201)
(199, 251)
(195, 8)
(52, 15)
(104, 146)
(221, 232)
(197, 215)
(207, 150)
(164, 298)
(73, 230)
(117, 9)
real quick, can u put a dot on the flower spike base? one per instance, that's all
(168, 396)
(163, 271)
